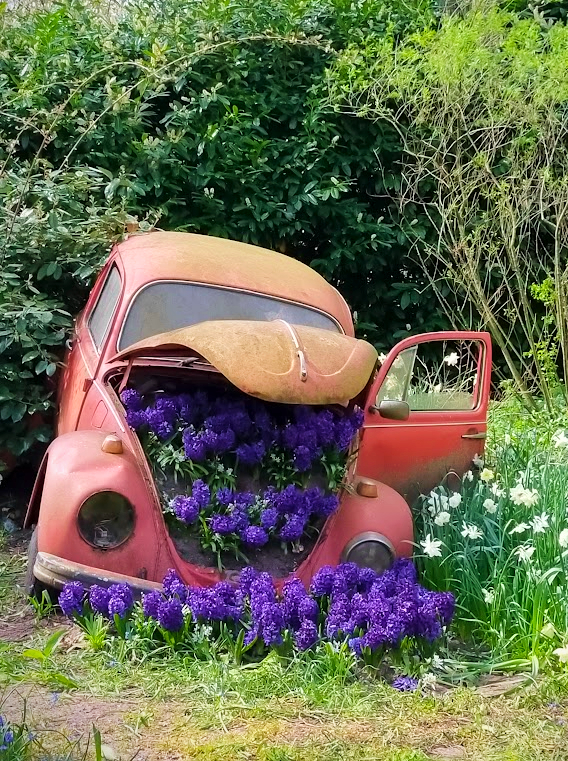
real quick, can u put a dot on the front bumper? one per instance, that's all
(56, 572)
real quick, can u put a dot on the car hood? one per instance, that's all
(274, 361)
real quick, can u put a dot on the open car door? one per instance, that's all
(426, 413)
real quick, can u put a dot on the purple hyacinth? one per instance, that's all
(99, 599)
(193, 446)
(223, 524)
(174, 586)
(71, 598)
(255, 536)
(122, 593)
(405, 684)
(306, 636)
(269, 518)
(185, 508)
(251, 454)
(200, 493)
(170, 615)
(322, 581)
(117, 607)
(131, 399)
(151, 603)
(303, 458)
(293, 529)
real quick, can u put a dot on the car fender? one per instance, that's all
(74, 468)
(387, 514)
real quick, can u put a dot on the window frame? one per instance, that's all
(98, 346)
(215, 286)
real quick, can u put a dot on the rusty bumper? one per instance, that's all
(55, 572)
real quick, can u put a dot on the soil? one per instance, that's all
(270, 558)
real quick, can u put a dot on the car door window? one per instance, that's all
(101, 316)
(435, 376)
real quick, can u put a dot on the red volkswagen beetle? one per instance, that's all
(182, 311)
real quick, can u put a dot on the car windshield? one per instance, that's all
(164, 306)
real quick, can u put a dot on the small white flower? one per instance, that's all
(519, 528)
(560, 440)
(431, 547)
(451, 359)
(488, 596)
(487, 475)
(437, 388)
(490, 506)
(563, 538)
(525, 552)
(437, 662)
(521, 496)
(455, 499)
(442, 518)
(469, 475)
(477, 461)
(428, 681)
(540, 523)
(382, 357)
(548, 631)
(507, 440)
(470, 531)
(496, 490)
(562, 653)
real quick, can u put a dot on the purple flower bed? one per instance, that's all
(371, 612)
(221, 437)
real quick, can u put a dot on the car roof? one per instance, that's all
(148, 257)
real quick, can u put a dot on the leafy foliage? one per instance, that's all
(209, 117)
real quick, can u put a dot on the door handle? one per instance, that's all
(474, 435)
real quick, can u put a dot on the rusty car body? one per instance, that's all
(275, 329)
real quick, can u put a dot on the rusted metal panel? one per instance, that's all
(274, 361)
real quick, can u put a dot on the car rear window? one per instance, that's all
(165, 306)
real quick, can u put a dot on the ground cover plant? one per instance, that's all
(253, 472)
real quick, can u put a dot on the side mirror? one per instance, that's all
(392, 409)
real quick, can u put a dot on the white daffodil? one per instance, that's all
(562, 653)
(455, 499)
(451, 359)
(548, 631)
(431, 547)
(540, 523)
(563, 538)
(468, 476)
(470, 531)
(436, 502)
(525, 552)
(488, 596)
(560, 440)
(487, 475)
(521, 496)
(519, 528)
(478, 461)
(490, 506)
(496, 490)
(428, 681)
(442, 518)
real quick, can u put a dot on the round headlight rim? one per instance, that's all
(367, 536)
(132, 517)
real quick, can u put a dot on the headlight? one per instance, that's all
(106, 520)
(369, 550)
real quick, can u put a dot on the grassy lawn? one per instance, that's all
(171, 708)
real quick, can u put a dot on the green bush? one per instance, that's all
(208, 117)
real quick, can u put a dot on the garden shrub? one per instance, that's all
(207, 117)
